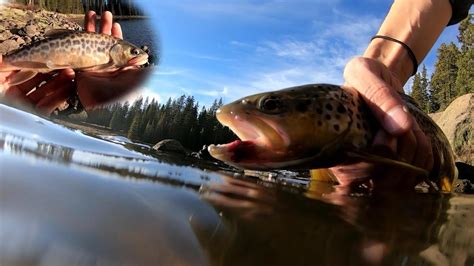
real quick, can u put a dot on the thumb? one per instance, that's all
(382, 98)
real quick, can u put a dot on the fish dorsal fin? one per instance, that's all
(21, 76)
(57, 32)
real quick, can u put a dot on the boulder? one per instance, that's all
(170, 145)
(5, 35)
(7, 46)
(31, 30)
(457, 123)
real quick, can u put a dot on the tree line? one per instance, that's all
(149, 121)
(453, 75)
(117, 7)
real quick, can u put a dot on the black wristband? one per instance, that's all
(407, 48)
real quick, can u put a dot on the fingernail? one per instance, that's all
(397, 120)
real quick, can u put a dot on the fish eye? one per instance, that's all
(271, 104)
(135, 51)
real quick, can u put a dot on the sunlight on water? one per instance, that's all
(69, 198)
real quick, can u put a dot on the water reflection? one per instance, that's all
(71, 200)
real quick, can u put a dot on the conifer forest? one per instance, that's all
(453, 73)
(117, 7)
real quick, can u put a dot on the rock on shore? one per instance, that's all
(457, 123)
(19, 27)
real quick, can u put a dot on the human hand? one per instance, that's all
(46, 92)
(400, 134)
(43, 93)
(96, 89)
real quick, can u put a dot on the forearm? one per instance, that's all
(416, 23)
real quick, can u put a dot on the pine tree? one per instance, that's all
(134, 131)
(419, 90)
(465, 63)
(443, 80)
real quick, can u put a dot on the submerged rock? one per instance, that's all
(170, 145)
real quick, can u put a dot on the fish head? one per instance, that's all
(127, 54)
(283, 129)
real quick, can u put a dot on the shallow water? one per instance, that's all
(67, 198)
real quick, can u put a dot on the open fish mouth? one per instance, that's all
(138, 61)
(259, 141)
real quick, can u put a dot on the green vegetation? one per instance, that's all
(453, 75)
(151, 122)
(117, 7)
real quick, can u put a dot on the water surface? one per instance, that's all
(68, 198)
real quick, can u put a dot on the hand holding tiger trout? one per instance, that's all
(106, 66)
(321, 126)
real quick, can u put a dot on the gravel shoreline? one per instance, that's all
(19, 27)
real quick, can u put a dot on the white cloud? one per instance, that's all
(294, 49)
(144, 93)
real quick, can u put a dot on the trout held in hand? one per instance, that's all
(79, 50)
(318, 126)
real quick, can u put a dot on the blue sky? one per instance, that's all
(229, 49)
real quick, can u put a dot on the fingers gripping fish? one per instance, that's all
(79, 50)
(317, 126)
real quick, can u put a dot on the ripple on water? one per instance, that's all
(69, 198)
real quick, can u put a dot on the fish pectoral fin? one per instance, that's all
(7, 68)
(20, 77)
(100, 68)
(29, 65)
(53, 66)
(56, 32)
(323, 175)
(387, 161)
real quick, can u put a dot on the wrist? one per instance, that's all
(393, 55)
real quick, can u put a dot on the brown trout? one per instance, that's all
(317, 126)
(79, 50)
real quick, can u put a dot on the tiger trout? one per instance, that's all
(318, 126)
(79, 50)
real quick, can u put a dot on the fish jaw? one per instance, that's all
(261, 142)
(138, 61)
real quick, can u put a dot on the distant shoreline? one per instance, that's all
(79, 18)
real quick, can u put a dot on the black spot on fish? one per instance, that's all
(358, 126)
(328, 117)
(319, 111)
(341, 109)
(329, 107)
(76, 42)
(338, 116)
(301, 107)
(53, 44)
(320, 123)
(350, 112)
(102, 42)
(67, 42)
(358, 116)
(88, 41)
(364, 125)
(336, 127)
